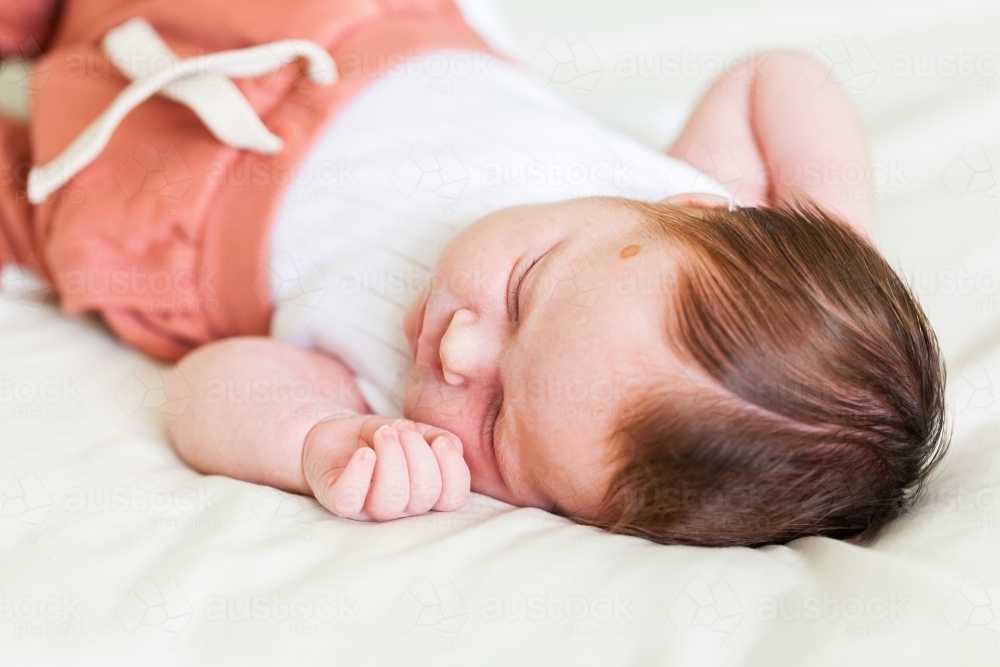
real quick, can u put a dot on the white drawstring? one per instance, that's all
(201, 83)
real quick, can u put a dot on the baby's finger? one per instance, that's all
(431, 433)
(422, 466)
(455, 475)
(345, 495)
(390, 488)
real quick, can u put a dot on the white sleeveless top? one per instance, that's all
(421, 153)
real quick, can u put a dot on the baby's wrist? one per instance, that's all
(331, 441)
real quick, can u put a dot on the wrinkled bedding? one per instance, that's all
(114, 552)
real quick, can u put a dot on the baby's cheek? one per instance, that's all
(574, 467)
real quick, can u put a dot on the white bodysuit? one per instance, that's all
(420, 154)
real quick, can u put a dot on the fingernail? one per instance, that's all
(367, 455)
(442, 441)
(402, 425)
(386, 432)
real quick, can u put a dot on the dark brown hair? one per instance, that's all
(828, 410)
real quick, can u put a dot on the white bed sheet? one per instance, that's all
(113, 552)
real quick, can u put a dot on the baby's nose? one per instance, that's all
(469, 350)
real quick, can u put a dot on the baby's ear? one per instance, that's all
(697, 200)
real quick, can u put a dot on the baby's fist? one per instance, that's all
(400, 474)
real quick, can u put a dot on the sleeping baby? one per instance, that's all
(472, 286)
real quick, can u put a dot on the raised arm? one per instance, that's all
(777, 125)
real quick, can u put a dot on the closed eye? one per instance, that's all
(514, 291)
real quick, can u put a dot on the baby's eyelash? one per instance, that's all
(514, 292)
(513, 297)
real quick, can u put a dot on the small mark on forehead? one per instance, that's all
(629, 251)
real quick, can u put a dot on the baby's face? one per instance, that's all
(539, 324)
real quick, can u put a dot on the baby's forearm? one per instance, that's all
(266, 412)
(779, 125)
(811, 136)
(251, 403)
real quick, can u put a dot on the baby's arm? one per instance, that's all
(267, 412)
(780, 124)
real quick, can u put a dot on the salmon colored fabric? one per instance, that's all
(16, 242)
(166, 233)
(25, 26)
